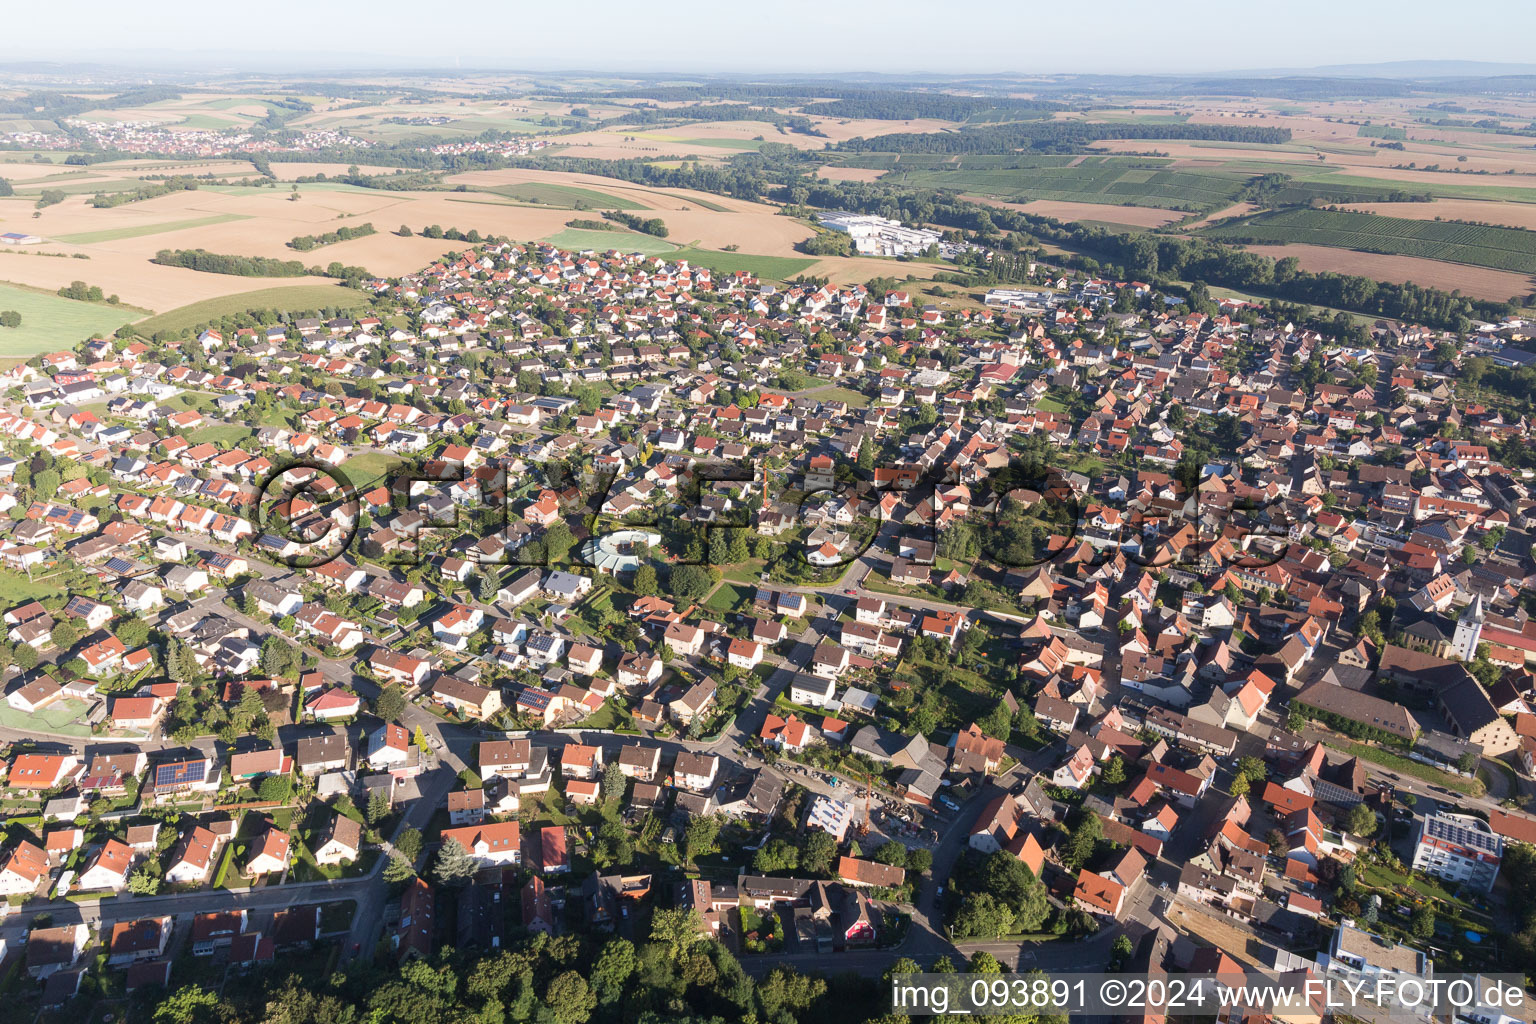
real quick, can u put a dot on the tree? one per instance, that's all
(454, 866)
(892, 852)
(377, 810)
(398, 869)
(26, 657)
(691, 582)
(9, 318)
(817, 852)
(558, 540)
(145, 880)
(983, 962)
(998, 722)
(676, 930)
(919, 860)
(275, 789)
(644, 582)
(390, 703)
(190, 1004)
(787, 995)
(699, 838)
(1467, 763)
(1253, 768)
(982, 914)
(1362, 821)
(569, 998)
(409, 843)
(1082, 840)
(776, 856)
(1422, 924)
(1114, 771)
(614, 781)
(133, 633)
(65, 634)
(615, 965)
(278, 656)
(1241, 785)
(1120, 953)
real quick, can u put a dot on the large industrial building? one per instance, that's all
(877, 236)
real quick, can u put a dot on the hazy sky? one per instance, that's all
(897, 36)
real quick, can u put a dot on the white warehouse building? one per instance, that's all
(877, 236)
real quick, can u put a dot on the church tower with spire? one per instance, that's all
(1469, 630)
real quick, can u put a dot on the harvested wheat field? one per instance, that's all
(288, 172)
(858, 270)
(1132, 216)
(1198, 155)
(261, 222)
(641, 197)
(136, 282)
(1478, 281)
(23, 171)
(709, 221)
(1514, 215)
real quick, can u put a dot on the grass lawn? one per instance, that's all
(1050, 405)
(64, 716)
(50, 323)
(746, 572)
(609, 716)
(855, 399)
(298, 298)
(782, 703)
(228, 874)
(776, 268)
(369, 469)
(138, 231)
(17, 588)
(550, 194)
(1382, 877)
(1408, 766)
(623, 241)
(728, 597)
(223, 434)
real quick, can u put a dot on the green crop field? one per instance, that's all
(215, 122)
(563, 195)
(300, 298)
(773, 268)
(113, 234)
(720, 143)
(50, 323)
(1496, 247)
(1382, 131)
(1118, 182)
(623, 241)
(1340, 190)
(969, 161)
(1444, 186)
(74, 188)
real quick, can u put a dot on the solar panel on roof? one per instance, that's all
(180, 773)
(119, 565)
